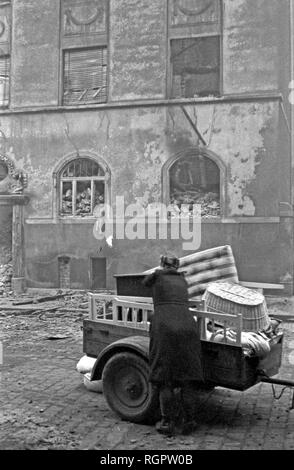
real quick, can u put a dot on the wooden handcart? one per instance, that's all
(117, 335)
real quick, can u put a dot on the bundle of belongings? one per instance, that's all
(213, 274)
(257, 344)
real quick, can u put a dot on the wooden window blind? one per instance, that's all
(4, 80)
(85, 76)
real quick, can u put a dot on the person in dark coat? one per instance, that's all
(174, 355)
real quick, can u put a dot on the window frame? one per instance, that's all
(58, 181)
(195, 152)
(189, 32)
(92, 48)
(79, 42)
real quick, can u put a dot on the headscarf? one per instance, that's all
(169, 262)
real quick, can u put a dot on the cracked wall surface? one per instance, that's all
(247, 137)
(136, 143)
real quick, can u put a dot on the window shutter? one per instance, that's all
(85, 76)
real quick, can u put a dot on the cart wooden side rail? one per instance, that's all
(135, 312)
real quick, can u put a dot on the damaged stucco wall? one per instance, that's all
(137, 49)
(35, 52)
(248, 138)
(251, 45)
(135, 144)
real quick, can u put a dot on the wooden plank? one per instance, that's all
(98, 335)
(109, 297)
(261, 285)
(129, 304)
(227, 320)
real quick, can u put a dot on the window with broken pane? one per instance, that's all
(85, 76)
(82, 187)
(195, 67)
(195, 180)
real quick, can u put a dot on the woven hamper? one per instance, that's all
(226, 297)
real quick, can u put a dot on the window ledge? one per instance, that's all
(242, 97)
(60, 220)
(91, 220)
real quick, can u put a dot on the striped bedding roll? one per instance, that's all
(204, 267)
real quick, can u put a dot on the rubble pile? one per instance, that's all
(5, 277)
(84, 201)
(63, 302)
(209, 202)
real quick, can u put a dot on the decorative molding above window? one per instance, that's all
(189, 12)
(84, 22)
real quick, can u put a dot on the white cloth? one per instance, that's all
(257, 343)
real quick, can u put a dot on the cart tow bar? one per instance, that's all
(285, 383)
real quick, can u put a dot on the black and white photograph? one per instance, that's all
(146, 228)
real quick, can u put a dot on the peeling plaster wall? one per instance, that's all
(246, 137)
(137, 49)
(35, 52)
(249, 138)
(136, 143)
(251, 45)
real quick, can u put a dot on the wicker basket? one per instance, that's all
(225, 297)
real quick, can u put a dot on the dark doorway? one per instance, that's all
(98, 273)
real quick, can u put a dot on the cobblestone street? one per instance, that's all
(44, 404)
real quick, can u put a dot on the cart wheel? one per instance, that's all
(127, 389)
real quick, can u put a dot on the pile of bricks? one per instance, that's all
(209, 202)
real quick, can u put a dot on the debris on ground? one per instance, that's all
(5, 278)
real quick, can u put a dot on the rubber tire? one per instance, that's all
(126, 369)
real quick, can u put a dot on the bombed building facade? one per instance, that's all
(178, 102)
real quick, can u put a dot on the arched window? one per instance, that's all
(83, 186)
(194, 178)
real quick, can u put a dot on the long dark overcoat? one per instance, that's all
(175, 350)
